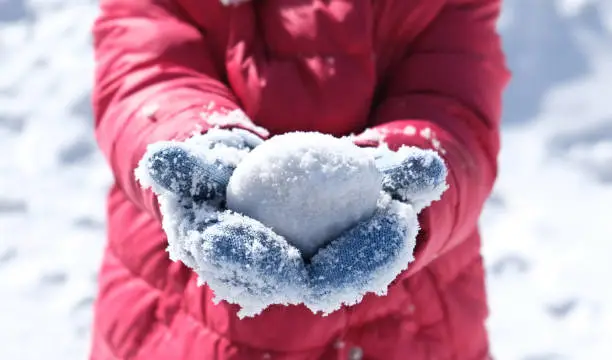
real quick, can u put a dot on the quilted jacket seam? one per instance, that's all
(133, 273)
(204, 327)
(443, 307)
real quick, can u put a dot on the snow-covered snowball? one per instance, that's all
(308, 187)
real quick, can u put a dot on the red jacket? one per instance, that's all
(419, 72)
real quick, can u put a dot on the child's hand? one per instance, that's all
(198, 168)
(412, 175)
(368, 257)
(240, 259)
(244, 262)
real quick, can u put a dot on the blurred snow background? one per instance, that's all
(547, 228)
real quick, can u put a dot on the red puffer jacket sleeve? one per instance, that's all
(155, 80)
(446, 95)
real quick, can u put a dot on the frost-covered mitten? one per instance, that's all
(198, 168)
(240, 259)
(366, 258)
(370, 255)
(412, 175)
(244, 262)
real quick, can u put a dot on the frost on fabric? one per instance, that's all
(366, 258)
(246, 263)
(373, 135)
(235, 118)
(233, 2)
(199, 167)
(309, 187)
(413, 175)
(241, 260)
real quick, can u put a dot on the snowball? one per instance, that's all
(308, 187)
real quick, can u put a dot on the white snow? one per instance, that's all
(546, 229)
(308, 187)
(232, 118)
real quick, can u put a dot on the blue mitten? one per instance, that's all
(369, 256)
(412, 175)
(240, 259)
(198, 168)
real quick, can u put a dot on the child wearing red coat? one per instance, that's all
(424, 73)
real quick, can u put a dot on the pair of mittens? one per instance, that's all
(245, 262)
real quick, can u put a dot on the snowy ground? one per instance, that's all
(546, 229)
